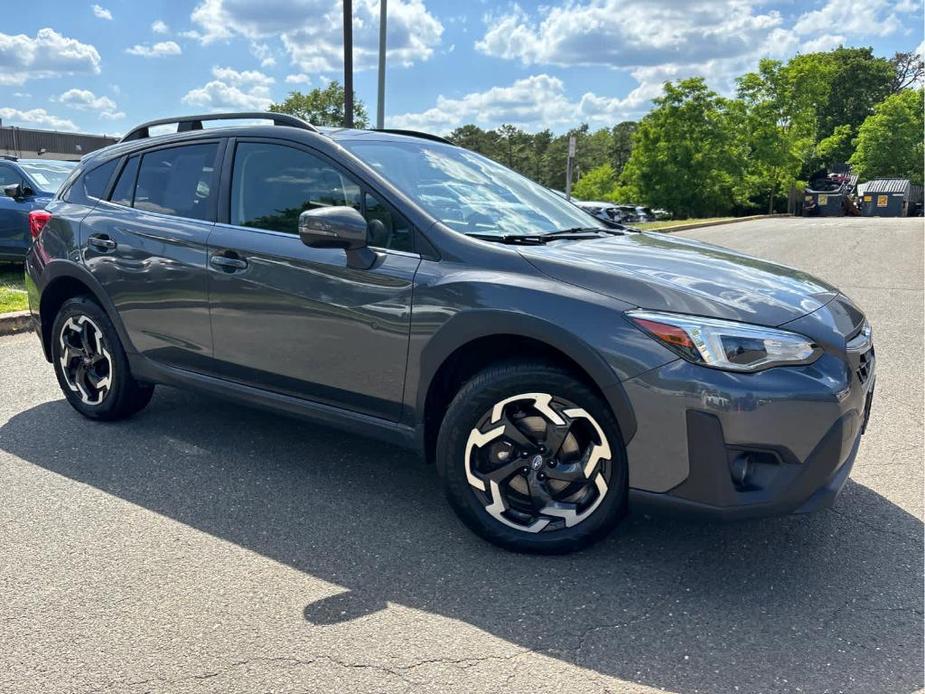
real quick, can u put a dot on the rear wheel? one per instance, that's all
(91, 365)
(532, 459)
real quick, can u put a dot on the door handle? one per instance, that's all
(101, 242)
(228, 263)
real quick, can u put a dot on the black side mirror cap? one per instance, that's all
(17, 191)
(338, 227)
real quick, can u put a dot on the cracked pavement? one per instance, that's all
(207, 547)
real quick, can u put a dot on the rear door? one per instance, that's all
(298, 320)
(146, 244)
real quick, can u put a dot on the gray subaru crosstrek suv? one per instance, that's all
(555, 369)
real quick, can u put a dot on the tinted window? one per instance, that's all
(125, 186)
(387, 228)
(91, 186)
(177, 181)
(9, 176)
(273, 184)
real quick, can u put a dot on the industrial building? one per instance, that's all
(28, 143)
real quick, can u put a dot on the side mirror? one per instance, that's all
(338, 227)
(14, 190)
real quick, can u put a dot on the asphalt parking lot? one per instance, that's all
(204, 546)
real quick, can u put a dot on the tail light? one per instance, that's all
(37, 221)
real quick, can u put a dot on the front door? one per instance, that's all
(14, 217)
(147, 246)
(298, 320)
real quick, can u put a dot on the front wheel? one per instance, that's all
(91, 365)
(532, 459)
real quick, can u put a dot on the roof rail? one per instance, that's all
(9, 157)
(415, 133)
(187, 123)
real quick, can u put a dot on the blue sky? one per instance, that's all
(103, 67)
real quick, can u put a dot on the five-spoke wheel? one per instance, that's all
(532, 458)
(91, 365)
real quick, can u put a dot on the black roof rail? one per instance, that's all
(187, 123)
(415, 133)
(9, 157)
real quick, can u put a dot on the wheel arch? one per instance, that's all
(470, 342)
(63, 280)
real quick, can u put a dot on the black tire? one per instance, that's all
(471, 409)
(122, 396)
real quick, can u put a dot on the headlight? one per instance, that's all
(726, 344)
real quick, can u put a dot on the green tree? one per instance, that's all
(773, 135)
(622, 144)
(908, 71)
(596, 184)
(684, 157)
(889, 143)
(323, 106)
(838, 87)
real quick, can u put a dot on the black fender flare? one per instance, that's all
(468, 326)
(56, 270)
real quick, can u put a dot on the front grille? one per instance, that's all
(865, 365)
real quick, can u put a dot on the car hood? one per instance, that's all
(668, 273)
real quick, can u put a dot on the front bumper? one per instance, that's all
(795, 430)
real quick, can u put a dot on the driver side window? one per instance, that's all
(273, 184)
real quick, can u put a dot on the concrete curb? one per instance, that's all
(698, 225)
(16, 322)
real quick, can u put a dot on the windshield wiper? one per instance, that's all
(578, 233)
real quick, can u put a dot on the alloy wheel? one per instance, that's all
(538, 463)
(86, 362)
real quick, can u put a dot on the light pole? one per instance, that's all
(348, 63)
(380, 107)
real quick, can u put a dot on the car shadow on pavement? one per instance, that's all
(828, 602)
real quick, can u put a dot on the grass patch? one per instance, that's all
(12, 288)
(667, 224)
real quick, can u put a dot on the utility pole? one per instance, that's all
(348, 63)
(568, 167)
(380, 107)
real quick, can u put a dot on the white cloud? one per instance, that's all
(85, 100)
(263, 53)
(36, 117)
(247, 90)
(300, 78)
(101, 12)
(158, 50)
(49, 54)
(535, 102)
(311, 30)
(159, 26)
(850, 18)
(621, 34)
(823, 43)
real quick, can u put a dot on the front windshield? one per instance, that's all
(48, 174)
(469, 193)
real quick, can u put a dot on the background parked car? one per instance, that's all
(645, 214)
(662, 215)
(602, 210)
(26, 185)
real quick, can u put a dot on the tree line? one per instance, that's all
(697, 153)
(700, 154)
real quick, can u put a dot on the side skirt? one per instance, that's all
(319, 413)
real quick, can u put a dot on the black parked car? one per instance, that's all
(553, 368)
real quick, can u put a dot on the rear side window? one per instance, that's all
(91, 186)
(177, 181)
(125, 186)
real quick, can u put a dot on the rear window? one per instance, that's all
(91, 186)
(49, 175)
(177, 181)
